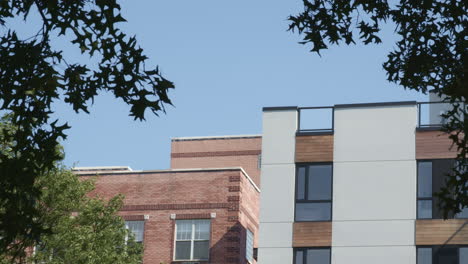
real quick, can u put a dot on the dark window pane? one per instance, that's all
(320, 184)
(201, 249)
(424, 209)
(313, 211)
(463, 255)
(300, 183)
(318, 256)
(182, 250)
(299, 257)
(424, 256)
(446, 255)
(425, 179)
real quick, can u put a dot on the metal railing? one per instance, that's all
(429, 114)
(315, 120)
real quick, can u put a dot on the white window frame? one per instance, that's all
(247, 249)
(130, 231)
(192, 240)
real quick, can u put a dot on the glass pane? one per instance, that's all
(463, 255)
(320, 184)
(424, 255)
(425, 179)
(299, 257)
(313, 211)
(201, 249)
(202, 229)
(424, 209)
(184, 229)
(182, 250)
(300, 183)
(249, 246)
(318, 256)
(136, 228)
(446, 255)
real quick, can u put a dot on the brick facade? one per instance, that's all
(218, 152)
(225, 195)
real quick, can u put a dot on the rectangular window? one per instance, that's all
(432, 175)
(314, 192)
(249, 246)
(442, 255)
(137, 228)
(312, 256)
(192, 241)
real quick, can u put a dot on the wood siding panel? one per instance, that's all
(314, 148)
(440, 232)
(312, 234)
(434, 145)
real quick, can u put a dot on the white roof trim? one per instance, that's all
(215, 137)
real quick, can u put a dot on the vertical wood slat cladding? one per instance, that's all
(434, 145)
(314, 148)
(440, 232)
(312, 234)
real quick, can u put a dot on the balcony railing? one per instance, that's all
(430, 114)
(315, 120)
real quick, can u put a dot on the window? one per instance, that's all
(314, 192)
(432, 175)
(442, 255)
(137, 228)
(249, 245)
(192, 240)
(312, 256)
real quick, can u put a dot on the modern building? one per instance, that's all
(204, 209)
(357, 190)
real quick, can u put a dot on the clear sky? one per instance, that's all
(228, 59)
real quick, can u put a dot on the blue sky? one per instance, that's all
(228, 59)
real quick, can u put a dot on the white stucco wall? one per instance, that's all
(374, 185)
(278, 181)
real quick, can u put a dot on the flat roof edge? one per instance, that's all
(110, 173)
(279, 108)
(215, 137)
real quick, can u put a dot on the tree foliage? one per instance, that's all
(431, 54)
(82, 229)
(34, 74)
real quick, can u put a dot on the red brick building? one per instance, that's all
(204, 209)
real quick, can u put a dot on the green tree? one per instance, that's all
(34, 74)
(83, 229)
(430, 55)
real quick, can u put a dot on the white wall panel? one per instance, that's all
(373, 233)
(279, 137)
(374, 190)
(277, 195)
(275, 256)
(375, 133)
(374, 255)
(275, 235)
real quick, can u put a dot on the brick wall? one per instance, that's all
(218, 152)
(191, 194)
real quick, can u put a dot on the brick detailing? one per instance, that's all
(234, 178)
(215, 154)
(233, 198)
(193, 216)
(234, 229)
(234, 207)
(232, 259)
(250, 217)
(133, 217)
(232, 249)
(146, 207)
(234, 188)
(233, 218)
